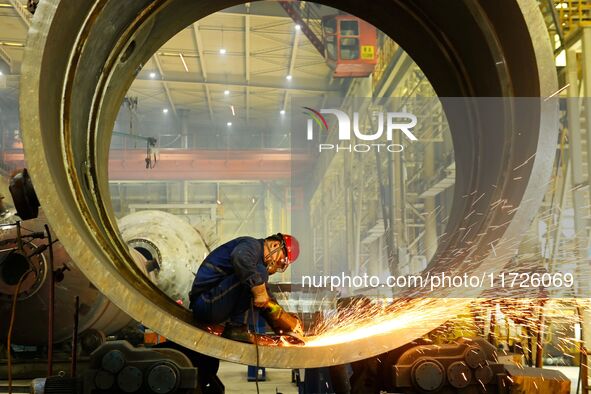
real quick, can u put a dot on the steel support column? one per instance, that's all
(398, 213)
(586, 65)
(430, 237)
(577, 177)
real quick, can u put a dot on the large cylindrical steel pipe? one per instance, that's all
(80, 61)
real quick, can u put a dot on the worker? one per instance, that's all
(233, 279)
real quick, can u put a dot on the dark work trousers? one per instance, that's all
(228, 300)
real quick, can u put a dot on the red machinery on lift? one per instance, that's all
(351, 45)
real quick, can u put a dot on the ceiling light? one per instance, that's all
(12, 44)
(222, 51)
(226, 92)
(282, 112)
(229, 124)
(152, 75)
(165, 110)
(218, 202)
(233, 111)
(288, 77)
(298, 26)
(1, 73)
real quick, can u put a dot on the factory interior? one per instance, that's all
(425, 166)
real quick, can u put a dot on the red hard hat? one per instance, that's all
(292, 247)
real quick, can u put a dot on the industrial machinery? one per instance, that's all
(80, 61)
(469, 366)
(351, 46)
(30, 253)
(172, 257)
(172, 243)
(116, 367)
(96, 311)
(347, 43)
(466, 365)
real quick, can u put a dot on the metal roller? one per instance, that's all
(80, 62)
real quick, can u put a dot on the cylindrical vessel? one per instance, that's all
(80, 62)
(172, 242)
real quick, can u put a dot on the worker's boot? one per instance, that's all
(238, 332)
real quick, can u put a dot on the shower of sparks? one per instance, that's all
(362, 320)
(518, 320)
(516, 311)
(525, 162)
(557, 92)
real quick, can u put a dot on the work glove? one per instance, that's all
(260, 296)
(297, 328)
(282, 322)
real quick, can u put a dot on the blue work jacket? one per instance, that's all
(243, 257)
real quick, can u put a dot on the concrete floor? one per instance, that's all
(233, 376)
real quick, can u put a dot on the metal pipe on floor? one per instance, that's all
(74, 355)
(51, 302)
(540, 338)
